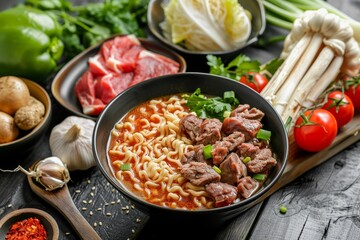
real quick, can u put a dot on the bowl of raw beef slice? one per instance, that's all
(87, 83)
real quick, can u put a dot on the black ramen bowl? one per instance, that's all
(188, 83)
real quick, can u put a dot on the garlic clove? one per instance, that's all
(50, 183)
(52, 173)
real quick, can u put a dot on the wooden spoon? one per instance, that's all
(62, 201)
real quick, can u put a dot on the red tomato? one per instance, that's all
(316, 131)
(352, 90)
(256, 81)
(341, 106)
(354, 94)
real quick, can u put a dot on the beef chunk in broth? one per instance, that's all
(223, 193)
(259, 143)
(190, 125)
(248, 150)
(210, 131)
(234, 140)
(196, 155)
(264, 154)
(199, 173)
(262, 162)
(247, 186)
(219, 152)
(249, 127)
(188, 157)
(240, 109)
(260, 166)
(226, 145)
(232, 169)
(244, 112)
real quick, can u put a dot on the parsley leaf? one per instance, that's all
(215, 107)
(86, 25)
(241, 65)
(235, 69)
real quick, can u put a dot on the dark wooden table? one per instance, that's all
(322, 203)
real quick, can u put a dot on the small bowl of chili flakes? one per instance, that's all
(28, 223)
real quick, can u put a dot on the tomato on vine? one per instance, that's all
(245, 70)
(352, 90)
(315, 130)
(341, 106)
(254, 80)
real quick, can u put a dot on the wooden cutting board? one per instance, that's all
(300, 161)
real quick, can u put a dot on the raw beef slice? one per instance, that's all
(151, 65)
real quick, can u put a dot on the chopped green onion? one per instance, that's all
(259, 177)
(229, 97)
(207, 151)
(226, 114)
(125, 167)
(283, 209)
(246, 160)
(217, 169)
(263, 134)
(229, 94)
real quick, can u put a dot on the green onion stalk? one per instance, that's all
(207, 151)
(263, 135)
(282, 13)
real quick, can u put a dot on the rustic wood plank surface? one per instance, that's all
(110, 213)
(322, 204)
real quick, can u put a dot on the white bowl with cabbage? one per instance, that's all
(206, 26)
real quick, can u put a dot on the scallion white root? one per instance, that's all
(325, 80)
(317, 68)
(286, 68)
(319, 47)
(289, 87)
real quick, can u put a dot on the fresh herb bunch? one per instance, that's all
(86, 25)
(241, 65)
(215, 107)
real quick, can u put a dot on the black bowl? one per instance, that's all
(196, 60)
(181, 83)
(155, 16)
(63, 85)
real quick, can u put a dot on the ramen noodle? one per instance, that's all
(152, 156)
(150, 141)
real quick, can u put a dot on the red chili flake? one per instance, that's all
(30, 228)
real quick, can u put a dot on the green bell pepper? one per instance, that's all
(30, 44)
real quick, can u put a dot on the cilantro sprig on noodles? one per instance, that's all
(212, 107)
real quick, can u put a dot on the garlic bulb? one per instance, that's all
(71, 141)
(50, 172)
